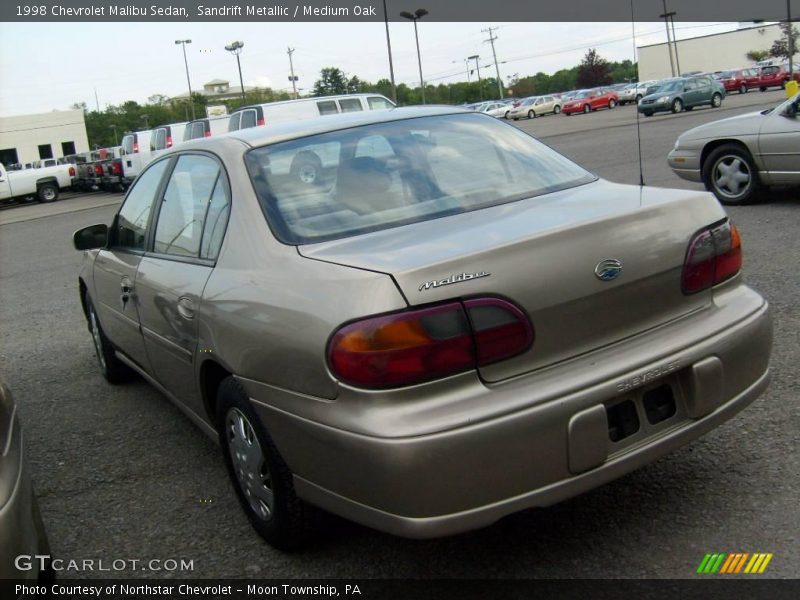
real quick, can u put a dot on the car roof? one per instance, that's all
(290, 130)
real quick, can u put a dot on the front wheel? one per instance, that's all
(587, 109)
(743, 89)
(729, 172)
(261, 478)
(612, 103)
(716, 101)
(677, 105)
(505, 116)
(531, 114)
(557, 109)
(762, 89)
(112, 368)
(47, 192)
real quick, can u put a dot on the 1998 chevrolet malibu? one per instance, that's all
(421, 320)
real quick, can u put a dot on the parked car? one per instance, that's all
(497, 109)
(627, 94)
(591, 100)
(739, 80)
(536, 106)
(44, 183)
(738, 158)
(641, 88)
(305, 108)
(378, 341)
(682, 94)
(776, 76)
(22, 531)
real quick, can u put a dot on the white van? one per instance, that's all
(304, 108)
(135, 154)
(207, 127)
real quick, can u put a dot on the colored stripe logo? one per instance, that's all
(733, 564)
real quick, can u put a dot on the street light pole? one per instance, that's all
(666, 17)
(186, 62)
(389, 48)
(418, 14)
(790, 45)
(235, 48)
(292, 77)
(475, 57)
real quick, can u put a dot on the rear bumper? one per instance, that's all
(445, 482)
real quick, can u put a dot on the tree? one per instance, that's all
(780, 47)
(355, 85)
(157, 99)
(593, 70)
(757, 55)
(79, 106)
(331, 81)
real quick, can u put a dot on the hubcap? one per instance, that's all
(49, 193)
(308, 173)
(732, 176)
(249, 463)
(98, 342)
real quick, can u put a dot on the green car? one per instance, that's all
(681, 94)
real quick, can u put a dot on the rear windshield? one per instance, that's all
(363, 179)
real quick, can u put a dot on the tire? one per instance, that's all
(557, 109)
(47, 192)
(688, 108)
(730, 174)
(716, 101)
(762, 89)
(648, 113)
(306, 167)
(783, 85)
(743, 88)
(516, 118)
(612, 104)
(505, 116)
(638, 97)
(677, 105)
(265, 487)
(113, 369)
(531, 114)
(587, 109)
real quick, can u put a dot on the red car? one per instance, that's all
(739, 80)
(775, 76)
(589, 100)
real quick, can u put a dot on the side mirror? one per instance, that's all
(89, 238)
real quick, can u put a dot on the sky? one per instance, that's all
(50, 66)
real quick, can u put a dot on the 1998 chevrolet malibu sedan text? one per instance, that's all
(451, 323)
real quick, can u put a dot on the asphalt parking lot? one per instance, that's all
(122, 474)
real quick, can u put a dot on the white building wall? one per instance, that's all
(707, 53)
(27, 132)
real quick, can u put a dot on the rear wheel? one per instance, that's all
(261, 478)
(648, 113)
(112, 368)
(716, 101)
(587, 109)
(743, 88)
(762, 89)
(531, 114)
(557, 109)
(612, 103)
(47, 192)
(505, 116)
(730, 174)
(677, 105)
(638, 97)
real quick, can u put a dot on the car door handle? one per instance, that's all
(126, 290)
(186, 308)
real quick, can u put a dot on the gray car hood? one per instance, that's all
(746, 124)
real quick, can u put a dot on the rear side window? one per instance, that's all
(233, 123)
(127, 144)
(183, 210)
(130, 230)
(195, 130)
(159, 139)
(327, 107)
(216, 220)
(248, 119)
(350, 105)
(378, 103)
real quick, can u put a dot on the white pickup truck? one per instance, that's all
(45, 183)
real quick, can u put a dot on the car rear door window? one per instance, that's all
(233, 122)
(350, 105)
(378, 103)
(184, 206)
(130, 227)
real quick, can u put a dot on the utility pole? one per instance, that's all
(491, 40)
(97, 102)
(666, 17)
(476, 57)
(292, 78)
(675, 42)
(389, 47)
(790, 45)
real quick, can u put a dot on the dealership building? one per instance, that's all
(27, 138)
(707, 53)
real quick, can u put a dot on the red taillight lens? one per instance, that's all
(72, 171)
(429, 343)
(714, 255)
(169, 141)
(98, 170)
(116, 168)
(207, 133)
(135, 147)
(260, 122)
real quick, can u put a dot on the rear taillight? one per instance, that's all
(169, 141)
(714, 255)
(72, 171)
(260, 122)
(429, 343)
(98, 170)
(207, 133)
(116, 168)
(135, 147)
